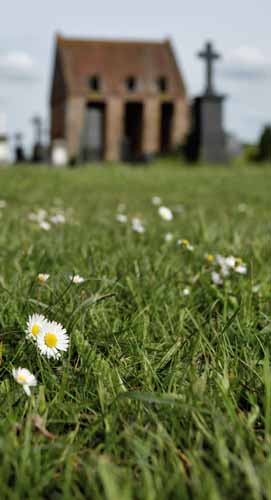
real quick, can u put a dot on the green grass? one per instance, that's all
(160, 395)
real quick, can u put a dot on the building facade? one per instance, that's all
(117, 100)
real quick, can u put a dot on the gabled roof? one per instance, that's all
(115, 60)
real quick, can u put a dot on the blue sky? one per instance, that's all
(239, 29)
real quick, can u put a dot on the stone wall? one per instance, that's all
(151, 126)
(74, 119)
(181, 122)
(114, 119)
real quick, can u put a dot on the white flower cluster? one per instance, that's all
(51, 339)
(45, 220)
(136, 223)
(226, 266)
(50, 336)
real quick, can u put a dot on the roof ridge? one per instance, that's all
(107, 41)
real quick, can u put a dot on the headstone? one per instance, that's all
(59, 156)
(19, 149)
(4, 147)
(38, 150)
(208, 139)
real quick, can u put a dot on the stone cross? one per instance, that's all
(210, 56)
(37, 124)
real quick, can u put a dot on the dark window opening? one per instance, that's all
(162, 84)
(93, 133)
(133, 126)
(131, 83)
(95, 83)
(167, 113)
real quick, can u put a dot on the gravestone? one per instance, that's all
(4, 147)
(19, 149)
(208, 139)
(38, 149)
(59, 154)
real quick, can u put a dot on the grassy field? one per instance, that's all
(165, 391)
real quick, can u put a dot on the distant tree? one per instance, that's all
(264, 147)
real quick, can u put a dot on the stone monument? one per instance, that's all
(19, 149)
(38, 150)
(4, 147)
(207, 141)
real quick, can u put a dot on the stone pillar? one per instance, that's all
(181, 122)
(114, 128)
(151, 126)
(74, 123)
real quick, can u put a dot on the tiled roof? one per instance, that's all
(115, 60)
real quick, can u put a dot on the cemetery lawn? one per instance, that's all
(163, 394)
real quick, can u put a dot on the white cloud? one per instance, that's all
(246, 63)
(17, 66)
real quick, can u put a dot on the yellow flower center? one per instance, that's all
(210, 258)
(35, 330)
(185, 243)
(21, 379)
(50, 339)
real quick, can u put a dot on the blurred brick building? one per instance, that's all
(117, 100)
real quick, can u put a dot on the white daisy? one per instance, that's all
(186, 291)
(156, 200)
(241, 269)
(165, 213)
(25, 378)
(45, 225)
(137, 225)
(34, 325)
(58, 219)
(53, 339)
(168, 237)
(230, 261)
(42, 278)
(186, 244)
(121, 218)
(76, 279)
(216, 278)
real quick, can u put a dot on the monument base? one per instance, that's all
(209, 135)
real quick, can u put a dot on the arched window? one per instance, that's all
(131, 83)
(94, 83)
(162, 84)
